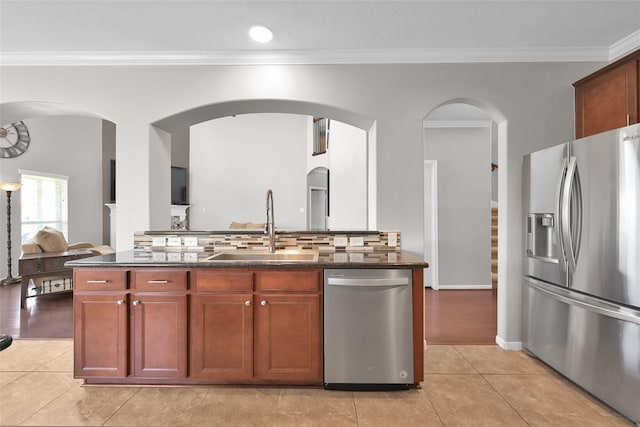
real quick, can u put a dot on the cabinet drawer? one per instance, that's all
(289, 280)
(95, 279)
(228, 280)
(158, 280)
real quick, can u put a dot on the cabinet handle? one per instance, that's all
(120, 302)
(247, 303)
(97, 281)
(136, 302)
(263, 303)
(628, 119)
(158, 282)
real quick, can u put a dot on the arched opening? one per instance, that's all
(62, 134)
(465, 141)
(318, 198)
(164, 133)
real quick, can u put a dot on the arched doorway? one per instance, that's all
(463, 139)
(61, 135)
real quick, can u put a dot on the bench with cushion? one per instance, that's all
(42, 263)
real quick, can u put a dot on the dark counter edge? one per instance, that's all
(126, 259)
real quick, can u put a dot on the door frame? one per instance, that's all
(431, 277)
(310, 207)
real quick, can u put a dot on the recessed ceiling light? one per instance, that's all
(260, 33)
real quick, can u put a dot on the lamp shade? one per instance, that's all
(9, 186)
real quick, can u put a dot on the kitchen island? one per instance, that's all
(163, 317)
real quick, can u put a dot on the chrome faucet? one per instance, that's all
(270, 225)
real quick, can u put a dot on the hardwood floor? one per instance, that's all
(49, 316)
(451, 317)
(461, 316)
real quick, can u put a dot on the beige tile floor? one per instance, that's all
(463, 386)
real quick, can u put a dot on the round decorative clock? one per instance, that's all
(14, 140)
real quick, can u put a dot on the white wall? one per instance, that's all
(235, 160)
(347, 177)
(60, 145)
(464, 194)
(494, 159)
(535, 99)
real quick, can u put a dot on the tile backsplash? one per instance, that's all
(169, 241)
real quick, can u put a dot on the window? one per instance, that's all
(320, 135)
(43, 203)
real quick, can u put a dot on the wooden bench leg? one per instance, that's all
(23, 291)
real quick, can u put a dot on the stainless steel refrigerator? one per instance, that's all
(581, 292)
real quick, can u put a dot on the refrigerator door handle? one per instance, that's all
(559, 210)
(565, 215)
(584, 301)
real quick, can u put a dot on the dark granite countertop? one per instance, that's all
(199, 259)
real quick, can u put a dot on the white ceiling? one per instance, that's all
(306, 31)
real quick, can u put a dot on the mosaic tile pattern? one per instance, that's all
(322, 242)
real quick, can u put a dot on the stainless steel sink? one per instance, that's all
(260, 256)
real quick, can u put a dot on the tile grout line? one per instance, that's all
(455, 347)
(355, 408)
(503, 398)
(49, 402)
(435, 410)
(492, 387)
(202, 400)
(120, 407)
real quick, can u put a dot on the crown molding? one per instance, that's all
(304, 57)
(624, 46)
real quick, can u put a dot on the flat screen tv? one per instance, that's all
(178, 186)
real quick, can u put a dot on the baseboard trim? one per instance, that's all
(509, 345)
(464, 287)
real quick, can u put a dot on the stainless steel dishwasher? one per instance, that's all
(368, 330)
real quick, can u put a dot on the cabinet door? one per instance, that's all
(222, 337)
(100, 332)
(289, 338)
(607, 101)
(159, 338)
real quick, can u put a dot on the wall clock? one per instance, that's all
(14, 140)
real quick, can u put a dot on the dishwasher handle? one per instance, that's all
(364, 281)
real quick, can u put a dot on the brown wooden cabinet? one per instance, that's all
(222, 337)
(289, 339)
(221, 342)
(289, 326)
(609, 98)
(206, 325)
(137, 329)
(101, 323)
(159, 323)
(257, 326)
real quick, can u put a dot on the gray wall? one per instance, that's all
(235, 160)
(61, 145)
(464, 194)
(180, 148)
(348, 177)
(108, 154)
(533, 102)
